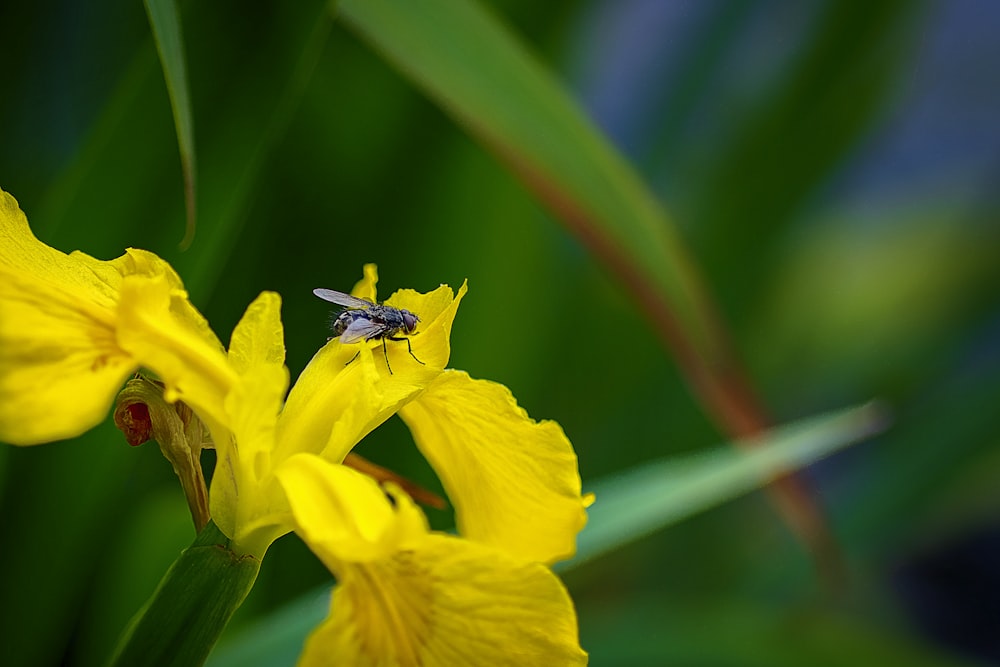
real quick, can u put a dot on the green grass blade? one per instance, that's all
(166, 25)
(656, 495)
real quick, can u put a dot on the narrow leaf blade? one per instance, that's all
(166, 26)
(656, 495)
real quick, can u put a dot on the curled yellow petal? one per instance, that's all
(513, 481)
(344, 515)
(169, 340)
(54, 273)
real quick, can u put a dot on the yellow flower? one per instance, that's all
(66, 343)
(72, 328)
(405, 595)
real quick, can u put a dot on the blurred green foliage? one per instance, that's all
(829, 165)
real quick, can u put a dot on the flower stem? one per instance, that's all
(180, 623)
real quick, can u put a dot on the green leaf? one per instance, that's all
(628, 506)
(166, 25)
(655, 495)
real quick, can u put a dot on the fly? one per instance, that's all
(364, 320)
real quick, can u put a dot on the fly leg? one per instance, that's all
(409, 348)
(385, 353)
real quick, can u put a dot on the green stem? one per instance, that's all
(190, 608)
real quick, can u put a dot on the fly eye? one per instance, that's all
(410, 321)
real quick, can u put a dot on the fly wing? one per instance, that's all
(361, 329)
(341, 299)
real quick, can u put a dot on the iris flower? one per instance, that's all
(73, 328)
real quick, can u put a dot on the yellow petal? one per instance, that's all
(431, 341)
(445, 601)
(246, 504)
(257, 354)
(343, 515)
(365, 288)
(60, 365)
(258, 339)
(142, 263)
(333, 406)
(513, 481)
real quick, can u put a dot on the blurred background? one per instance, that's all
(831, 165)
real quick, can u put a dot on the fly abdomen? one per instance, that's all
(344, 319)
